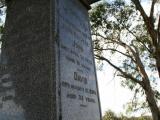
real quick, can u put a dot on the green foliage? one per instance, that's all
(110, 115)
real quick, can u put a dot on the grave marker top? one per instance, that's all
(87, 3)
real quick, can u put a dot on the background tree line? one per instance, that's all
(110, 115)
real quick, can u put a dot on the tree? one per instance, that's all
(119, 28)
(110, 115)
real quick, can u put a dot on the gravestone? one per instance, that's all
(50, 72)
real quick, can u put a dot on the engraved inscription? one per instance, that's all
(80, 78)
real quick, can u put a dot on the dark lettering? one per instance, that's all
(70, 59)
(81, 97)
(91, 100)
(80, 78)
(77, 88)
(71, 96)
(65, 84)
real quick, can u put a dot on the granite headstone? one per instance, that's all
(48, 69)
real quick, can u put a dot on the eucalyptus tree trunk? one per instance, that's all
(158, 64)
(151, 101)
(158, 54)
(155, 49)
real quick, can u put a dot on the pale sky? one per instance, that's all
(112, 95)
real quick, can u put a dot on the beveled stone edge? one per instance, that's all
(87, 3)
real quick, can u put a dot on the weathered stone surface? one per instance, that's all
(79, 94)
(50, 72)
(27, 46)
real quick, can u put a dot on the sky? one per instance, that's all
(112, 95)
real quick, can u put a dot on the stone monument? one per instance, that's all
(50, 72)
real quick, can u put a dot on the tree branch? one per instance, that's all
(137, 38)
(134, 99)
(140, 8)
(152, 9)
(111, 49)
(2, 6)
(158, 32)
(99, 35)
(129, 76)
(148, 22)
